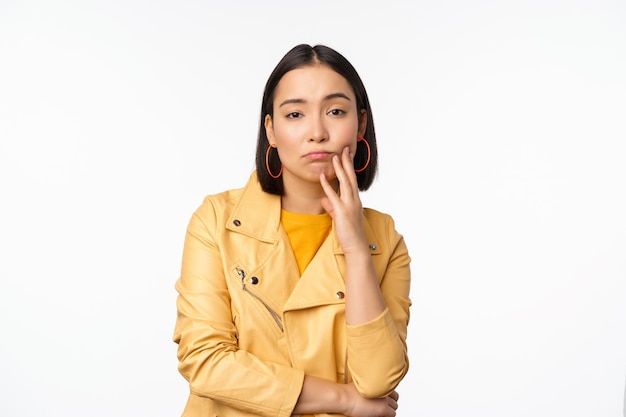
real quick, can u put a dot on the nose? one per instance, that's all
(318, 132)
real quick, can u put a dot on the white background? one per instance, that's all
(501, 129)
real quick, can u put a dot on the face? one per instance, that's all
(315, 117)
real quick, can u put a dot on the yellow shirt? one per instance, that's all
(306, 234)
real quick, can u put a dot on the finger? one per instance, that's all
(340, 172)
(392, 403)
(395, 395)
(347, 160)
(331, 195)
(392, 400)
(346, 186)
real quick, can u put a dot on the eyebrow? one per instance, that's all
(326, 98)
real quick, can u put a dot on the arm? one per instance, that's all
(322, 396)
(208, 353)
(384, 337)
(377, 311)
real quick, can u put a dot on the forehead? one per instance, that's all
(312, 82)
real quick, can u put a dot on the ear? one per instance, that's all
(269, 129)
(362, 122)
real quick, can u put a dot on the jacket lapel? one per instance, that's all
(264, 253)
(269, 258)
(323, 281)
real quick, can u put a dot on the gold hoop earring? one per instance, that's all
(369, 154)
(267, 162)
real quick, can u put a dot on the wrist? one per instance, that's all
(342, 399)
(359, 251)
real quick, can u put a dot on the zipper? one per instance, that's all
(244, 287)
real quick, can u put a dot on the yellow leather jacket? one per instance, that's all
(249, 326)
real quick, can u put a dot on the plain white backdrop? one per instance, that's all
(502, 135)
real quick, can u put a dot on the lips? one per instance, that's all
(317, 155)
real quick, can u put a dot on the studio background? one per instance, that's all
(502, 147)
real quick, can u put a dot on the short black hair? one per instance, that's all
(301, 56)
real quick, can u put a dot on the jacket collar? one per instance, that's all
(257, 215)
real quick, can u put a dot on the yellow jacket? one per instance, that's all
(249, 326)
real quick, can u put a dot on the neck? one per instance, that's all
(304, 198)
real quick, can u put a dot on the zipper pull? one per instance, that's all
(242, 274)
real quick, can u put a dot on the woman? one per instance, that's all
(293, 299)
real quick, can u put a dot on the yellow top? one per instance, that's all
(306, 234)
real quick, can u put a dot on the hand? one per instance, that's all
(370, 407)
(345, 206)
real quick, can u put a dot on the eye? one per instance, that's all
(294, 115)
(336, 112)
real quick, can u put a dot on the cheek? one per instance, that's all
(353, 126)
(286, 132)
(287, 140)
(349, 133)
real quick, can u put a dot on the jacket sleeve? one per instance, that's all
(208, 354)
(377, 350)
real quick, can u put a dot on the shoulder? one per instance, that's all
(377, 218)
(211, 215)
(216, 207)
(224, 199)
(230, 198)
(249, 202)
(382, 225)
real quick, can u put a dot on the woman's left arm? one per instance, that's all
(377, 349)
(377, 311)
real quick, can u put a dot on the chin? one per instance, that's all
(328, 173)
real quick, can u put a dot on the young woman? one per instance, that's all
(293, 298)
